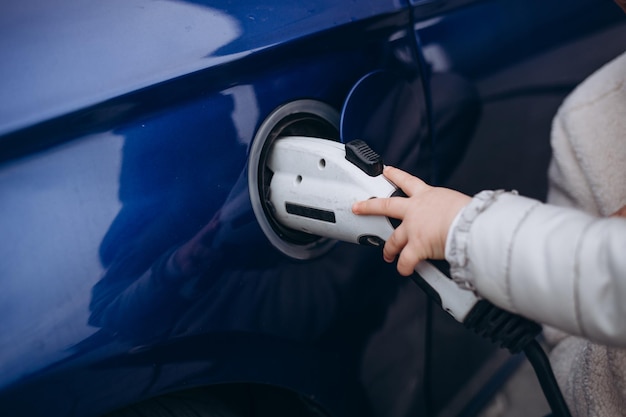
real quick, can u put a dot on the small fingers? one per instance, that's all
(407, 182)
(394, 245)
(391, 207)
(408, 260)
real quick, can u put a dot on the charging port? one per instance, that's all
(298, 118)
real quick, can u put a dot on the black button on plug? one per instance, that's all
(371, 240)
(361, 155)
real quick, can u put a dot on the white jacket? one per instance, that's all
(559, 266)
(556, 265)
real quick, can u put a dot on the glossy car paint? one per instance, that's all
(94, 200)
(125, 134)
(95, 51)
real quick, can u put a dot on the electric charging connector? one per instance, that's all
(311, 186)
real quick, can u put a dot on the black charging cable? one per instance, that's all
(540, 363)
(512, 332)
(518, 334)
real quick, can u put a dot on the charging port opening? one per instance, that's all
(299, 118)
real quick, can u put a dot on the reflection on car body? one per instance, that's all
(133, 265)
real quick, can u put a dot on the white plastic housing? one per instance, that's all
(313, 173)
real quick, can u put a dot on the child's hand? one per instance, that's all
(426, 218)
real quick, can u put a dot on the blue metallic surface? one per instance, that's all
(131, 263)
(514, 30)
(60, 57)
(92, 317)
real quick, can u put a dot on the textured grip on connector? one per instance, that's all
(361, 155)
(511, 331)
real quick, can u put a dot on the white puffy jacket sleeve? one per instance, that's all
(555, 265)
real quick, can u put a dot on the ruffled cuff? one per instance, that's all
(458, 237)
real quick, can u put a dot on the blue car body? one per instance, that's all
(125, 130)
